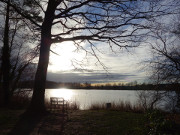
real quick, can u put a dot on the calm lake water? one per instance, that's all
(87, 97)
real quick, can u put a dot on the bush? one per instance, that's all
(20, 100)
(158, 124)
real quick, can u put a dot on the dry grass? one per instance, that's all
(20, 100)
(73, 106)
(70, 106)
(121, 106)
(105, 122)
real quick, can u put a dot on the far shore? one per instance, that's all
(62, 88)
(104, 86)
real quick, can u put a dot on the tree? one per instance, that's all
(116, 23)
(6, 59)
(165, 63)
(166, 60)
(15, 56)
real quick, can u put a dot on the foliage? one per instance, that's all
(20, 99)
(165, 62)
(16, 54)
(158, 124)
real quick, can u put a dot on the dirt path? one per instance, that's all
(51, 124)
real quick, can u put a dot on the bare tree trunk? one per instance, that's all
(1, 90)
(37, 102)
(6, 62)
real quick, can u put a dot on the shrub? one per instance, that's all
(158, 124)
(20, 100)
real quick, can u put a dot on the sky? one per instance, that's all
(73, 65)
(70, 64)
(119, 66)
(123, 66)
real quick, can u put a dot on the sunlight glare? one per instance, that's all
(65, 93)
(66, 54)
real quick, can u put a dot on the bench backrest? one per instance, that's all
(56, 100)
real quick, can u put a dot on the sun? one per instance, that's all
(66, 54)
(65, 93)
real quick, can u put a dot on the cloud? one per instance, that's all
(90, 77)
(122, 67)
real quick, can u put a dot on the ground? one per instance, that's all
(88, 122)
(51, 124)
(104, 122)
(13, 122)
(8, 118)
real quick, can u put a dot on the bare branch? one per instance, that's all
(22, 12)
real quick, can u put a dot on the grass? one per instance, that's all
(120, 119)
(8, 119)
(121, 106)
(105, 122)
(111, 122)
(101, 122)
(73, 106)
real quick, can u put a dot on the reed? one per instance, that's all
(97, 106)
(74, 106)
(20, 100)
(120, 106)
(70, 105)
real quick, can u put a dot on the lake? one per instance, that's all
(87, 97)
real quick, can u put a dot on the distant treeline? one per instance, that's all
(106, 86)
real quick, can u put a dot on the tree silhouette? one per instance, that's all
(6, 60)
(164, 67)
(15, 56)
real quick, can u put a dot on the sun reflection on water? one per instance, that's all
(65, 93)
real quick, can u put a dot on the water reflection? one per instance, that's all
(65, 93)
(85, 98)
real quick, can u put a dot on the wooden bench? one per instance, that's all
(58, 104)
